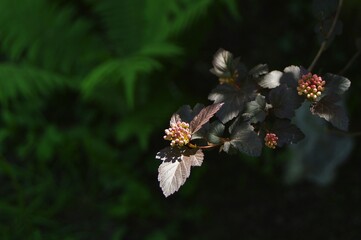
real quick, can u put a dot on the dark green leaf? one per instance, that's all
(285, 101)
(203, 116)
(286, 132)
(245, 140)
(328, 109)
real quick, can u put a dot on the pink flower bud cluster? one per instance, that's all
(311, 86)
(271, 140)
(179, 134)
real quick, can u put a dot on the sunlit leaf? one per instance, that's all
(176, 167)
(172, 175)
(203, 116)
(271, 79)
(223, 63)
(195, 157)
(292, 74)
(259, 70)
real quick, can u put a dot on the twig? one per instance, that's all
(346, 134)
(350, 62)
(324, 43)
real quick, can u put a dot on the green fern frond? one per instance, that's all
(45, 35)
(161, 49)
(123, 23)
(27, 82)
(186, 15)
(168, 18)
(126, 71)
(232, 7)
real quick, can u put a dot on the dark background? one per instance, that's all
(87, 88)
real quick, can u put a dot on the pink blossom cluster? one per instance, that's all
(311, 86)
(179, 134)
(271, 140)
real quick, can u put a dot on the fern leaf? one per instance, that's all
(126, 71)
(161, 49)
(123, 23)
(26, 82)
(48, 36)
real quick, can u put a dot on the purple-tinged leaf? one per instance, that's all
(195, 158)
(186, 113)
(328, 109)
(203, 116)
(170, 154)
(270, 80)
(259, 70)
(256, 110)
(222, 63)
(292, 74)
(174, 119)
(286, 132)
(176, 167)
(245, 140)
(335, 84)
(210, 132)
(285, 101)
(232, 98)
(172, 175)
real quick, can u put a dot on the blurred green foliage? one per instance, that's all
(86, 89)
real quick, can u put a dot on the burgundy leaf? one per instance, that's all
(176, 167)
(245, 139)
(328, 109)
(285, 101)
(287, 133)
(174, 119)
(270, 80)
(170, 154)
(203, 116)
(196, 159)
(172, 175)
